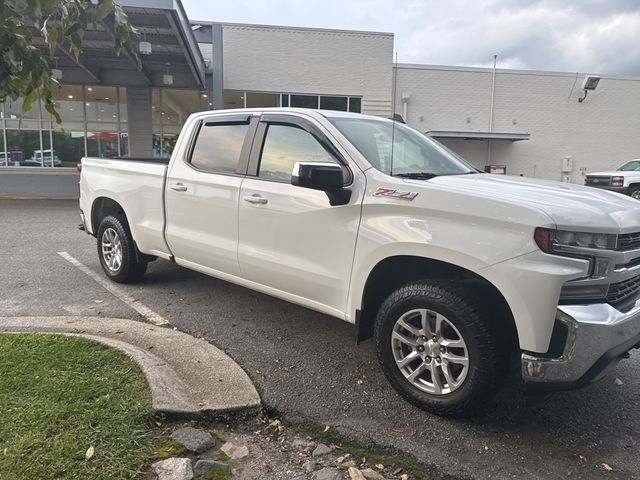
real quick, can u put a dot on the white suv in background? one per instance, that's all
(626, 179)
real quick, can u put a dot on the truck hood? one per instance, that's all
(570, 206)
(610, 173)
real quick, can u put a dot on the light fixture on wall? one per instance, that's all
(144, 47)
(590, 82)
(167, 78)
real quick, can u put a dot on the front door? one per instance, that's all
(291, 238)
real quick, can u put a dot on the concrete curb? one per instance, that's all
(187, 376)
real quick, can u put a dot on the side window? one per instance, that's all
(218, 146)
(284, 146)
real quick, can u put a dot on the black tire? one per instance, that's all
(487, 348)
(130, 269)
(634, 192)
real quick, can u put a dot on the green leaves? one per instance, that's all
(24, 72)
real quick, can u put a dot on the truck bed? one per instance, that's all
(137, 185)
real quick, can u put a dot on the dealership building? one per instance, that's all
(529, 123)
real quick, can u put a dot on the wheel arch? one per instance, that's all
(393, 272)
(103, 207)
(632, 186)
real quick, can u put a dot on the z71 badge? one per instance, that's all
(393, 193)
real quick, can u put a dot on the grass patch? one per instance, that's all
(61, 395)
(170, 448)
(390, 459)
(222, 457)
(221, 473)
(217, 435)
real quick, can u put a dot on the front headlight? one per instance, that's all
(566, 242)
(617, 181)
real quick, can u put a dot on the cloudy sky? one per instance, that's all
(589, 36)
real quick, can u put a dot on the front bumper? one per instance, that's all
(597, 337)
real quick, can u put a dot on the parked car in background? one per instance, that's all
(626, 179)
(43, 158)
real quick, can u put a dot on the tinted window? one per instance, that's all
(218, 147)
(355, 104)
(333, 103)
(283, 147)
(304, 101)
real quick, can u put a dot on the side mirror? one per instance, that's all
(317, 176)
(327, 177)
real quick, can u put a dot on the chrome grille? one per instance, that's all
(597, 181)
(621, 291)
(628, 241)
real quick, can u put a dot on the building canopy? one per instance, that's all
(174, 61)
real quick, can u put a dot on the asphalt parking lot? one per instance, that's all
(306, 365)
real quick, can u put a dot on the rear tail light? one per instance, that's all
(79, 167)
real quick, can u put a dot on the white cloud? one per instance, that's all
(597, 36)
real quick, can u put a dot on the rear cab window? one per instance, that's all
(218, 146)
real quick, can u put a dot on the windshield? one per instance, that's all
(632, 166)
(414, 154)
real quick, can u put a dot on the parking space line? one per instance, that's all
(137, 305)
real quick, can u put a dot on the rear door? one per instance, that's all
(291, 239)
(202, 194)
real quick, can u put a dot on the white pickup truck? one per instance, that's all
(625, 180)
(456, 273)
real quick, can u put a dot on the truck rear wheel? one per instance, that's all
(438, 349)
(117, 251)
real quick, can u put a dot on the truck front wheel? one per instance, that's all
(117, 251)
(438, 349)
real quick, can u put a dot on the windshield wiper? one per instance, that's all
(418, 175)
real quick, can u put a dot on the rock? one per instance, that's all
(203, 467)
(371, 474)
(309, 466)
(345, 462)
(328, 473)
(303, 445)
(173, 469)
(193, 439)
(356, 474)
(321, 449)
(347, 465)
(235, 452)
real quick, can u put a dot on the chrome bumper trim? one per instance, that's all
(598, 335)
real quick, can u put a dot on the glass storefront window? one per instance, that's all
(122, 99)
(22, 146)
(258, 100)
(69, 147)
(69, 103)
(4, 159)
(13, 112)
(233, 99)
(101, 104)
(169, 111)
